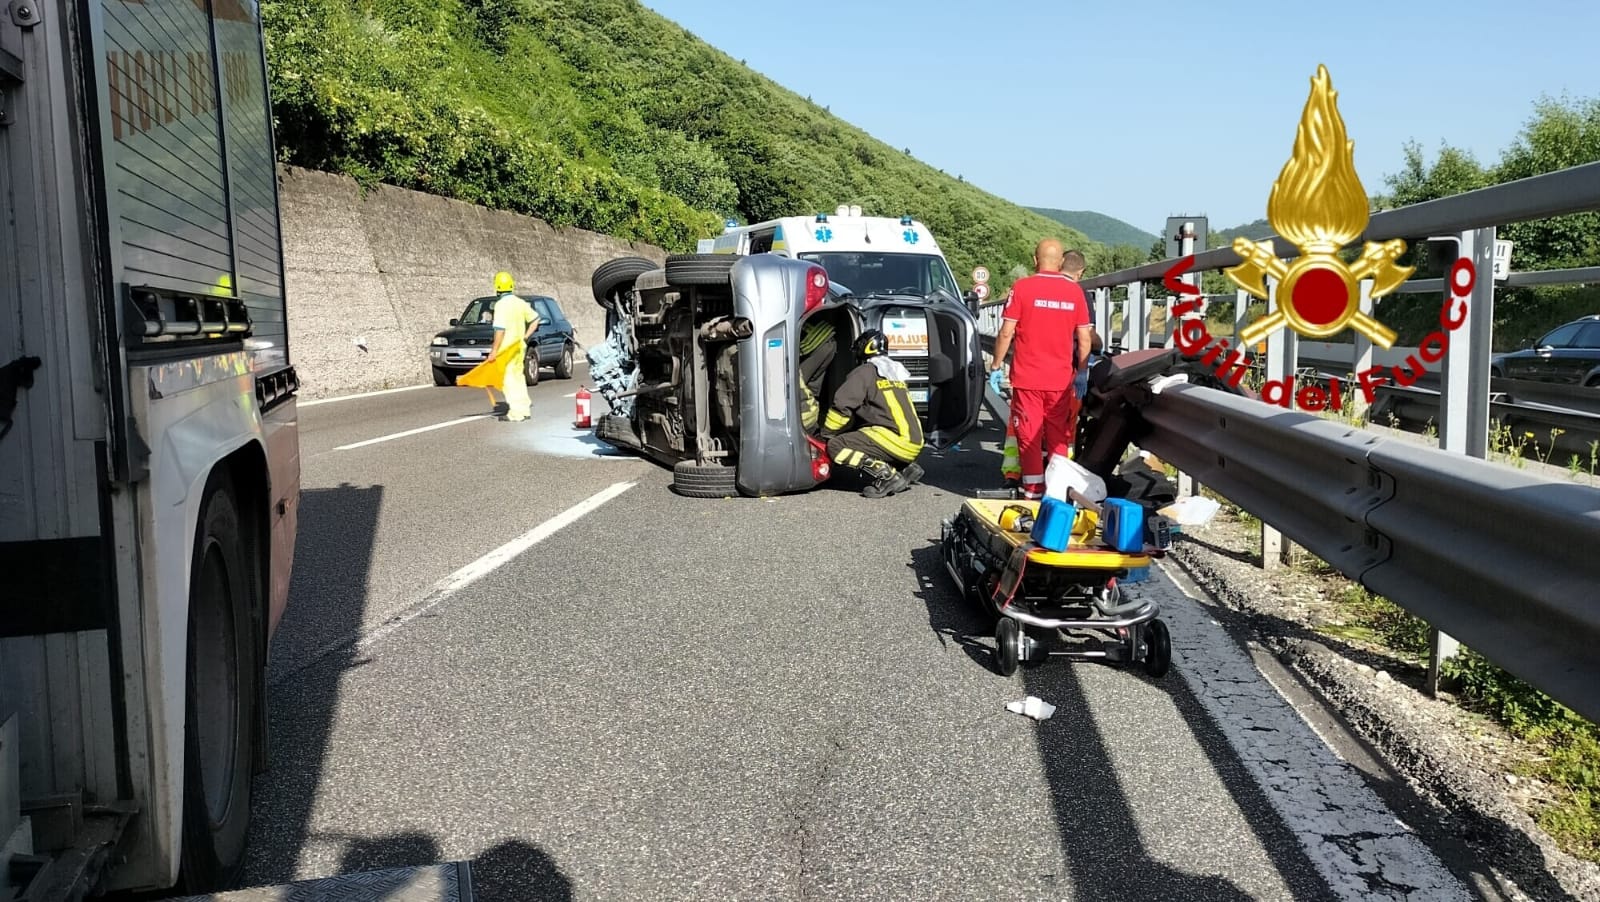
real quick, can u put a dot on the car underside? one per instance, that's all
(701, 365)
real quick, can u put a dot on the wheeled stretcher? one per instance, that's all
(1042, 600)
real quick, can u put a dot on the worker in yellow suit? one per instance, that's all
(502, 374)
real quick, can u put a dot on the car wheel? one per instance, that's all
(564, 365)
(443, 376)
(699, 269)
(530, 367)
(220, 697)
(695, 480)
(614, 274)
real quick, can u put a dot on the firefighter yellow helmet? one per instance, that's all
(503, 283)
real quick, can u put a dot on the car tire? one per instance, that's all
(530, 367)
(699, 269)
(695, 480)
(443, 376)
(221, 676)
(565, 365)
(614, 274)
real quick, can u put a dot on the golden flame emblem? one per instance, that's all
(1318, 204)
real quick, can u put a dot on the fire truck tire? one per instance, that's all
(222, 672)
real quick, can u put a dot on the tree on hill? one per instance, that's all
(599, 114)
(1560, 134)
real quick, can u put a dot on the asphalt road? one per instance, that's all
(647, 696)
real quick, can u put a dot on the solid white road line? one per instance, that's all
(466, 576)
(1355, 842)
(367, 394)
(418, 431)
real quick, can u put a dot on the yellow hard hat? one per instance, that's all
(503, 283)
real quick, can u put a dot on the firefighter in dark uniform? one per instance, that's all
(884, 430)
(817, 350)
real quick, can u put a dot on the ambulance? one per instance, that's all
(892, 267)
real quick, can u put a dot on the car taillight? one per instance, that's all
(819, 460)
(816, 288)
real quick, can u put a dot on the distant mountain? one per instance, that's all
(1252, 230)
(1107, 230)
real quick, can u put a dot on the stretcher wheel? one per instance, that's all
(1158, 649)
(1008, 645)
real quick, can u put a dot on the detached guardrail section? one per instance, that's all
(1505, 561)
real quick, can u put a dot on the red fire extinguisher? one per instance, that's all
(583, 408)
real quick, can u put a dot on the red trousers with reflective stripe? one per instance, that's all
(1042, 421)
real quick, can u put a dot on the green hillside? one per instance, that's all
(1107, 230)
(598, 114)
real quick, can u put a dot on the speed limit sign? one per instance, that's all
(980, 275)
(981, 290)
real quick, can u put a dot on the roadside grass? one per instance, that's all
(1561, 749)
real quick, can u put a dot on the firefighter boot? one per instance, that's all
(913, 474)
(886, 480)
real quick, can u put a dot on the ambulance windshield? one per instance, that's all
(912, 275)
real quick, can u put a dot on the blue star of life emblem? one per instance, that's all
(910, 235)
(824, 234)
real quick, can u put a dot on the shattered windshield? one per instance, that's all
(916, 275)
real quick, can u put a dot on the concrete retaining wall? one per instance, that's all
(389, 269)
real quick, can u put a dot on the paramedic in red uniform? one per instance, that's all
(1048, 318)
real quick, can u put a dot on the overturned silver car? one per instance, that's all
(701, 367)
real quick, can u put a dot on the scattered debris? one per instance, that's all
(1032, 706)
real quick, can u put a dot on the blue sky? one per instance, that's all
(1091, 106)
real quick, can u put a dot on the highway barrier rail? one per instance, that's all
(1506, 561)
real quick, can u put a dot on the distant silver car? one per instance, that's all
(701, 365)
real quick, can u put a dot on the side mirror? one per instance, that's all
(454, 321)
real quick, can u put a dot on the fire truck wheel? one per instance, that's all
(221, 683)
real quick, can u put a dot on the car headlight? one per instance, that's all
(440, 340)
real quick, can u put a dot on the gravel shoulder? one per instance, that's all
(1460, 767)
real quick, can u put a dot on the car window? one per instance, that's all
(1588, 336)
(481, 310)
(542, 307)
(1562, 337)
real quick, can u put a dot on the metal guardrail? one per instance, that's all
(1506, 561)
(1503, 560)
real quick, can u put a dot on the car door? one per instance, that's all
(547, 337)
(1549, 360)
(1585, 353)
(955, 373)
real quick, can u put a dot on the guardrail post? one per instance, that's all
(1275, 549)
(1464, 391)
(1464, 394)
(1362, 357)
(1136, 318)
(1102, 315)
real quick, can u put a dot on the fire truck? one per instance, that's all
(149, 454)
(149, 469)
